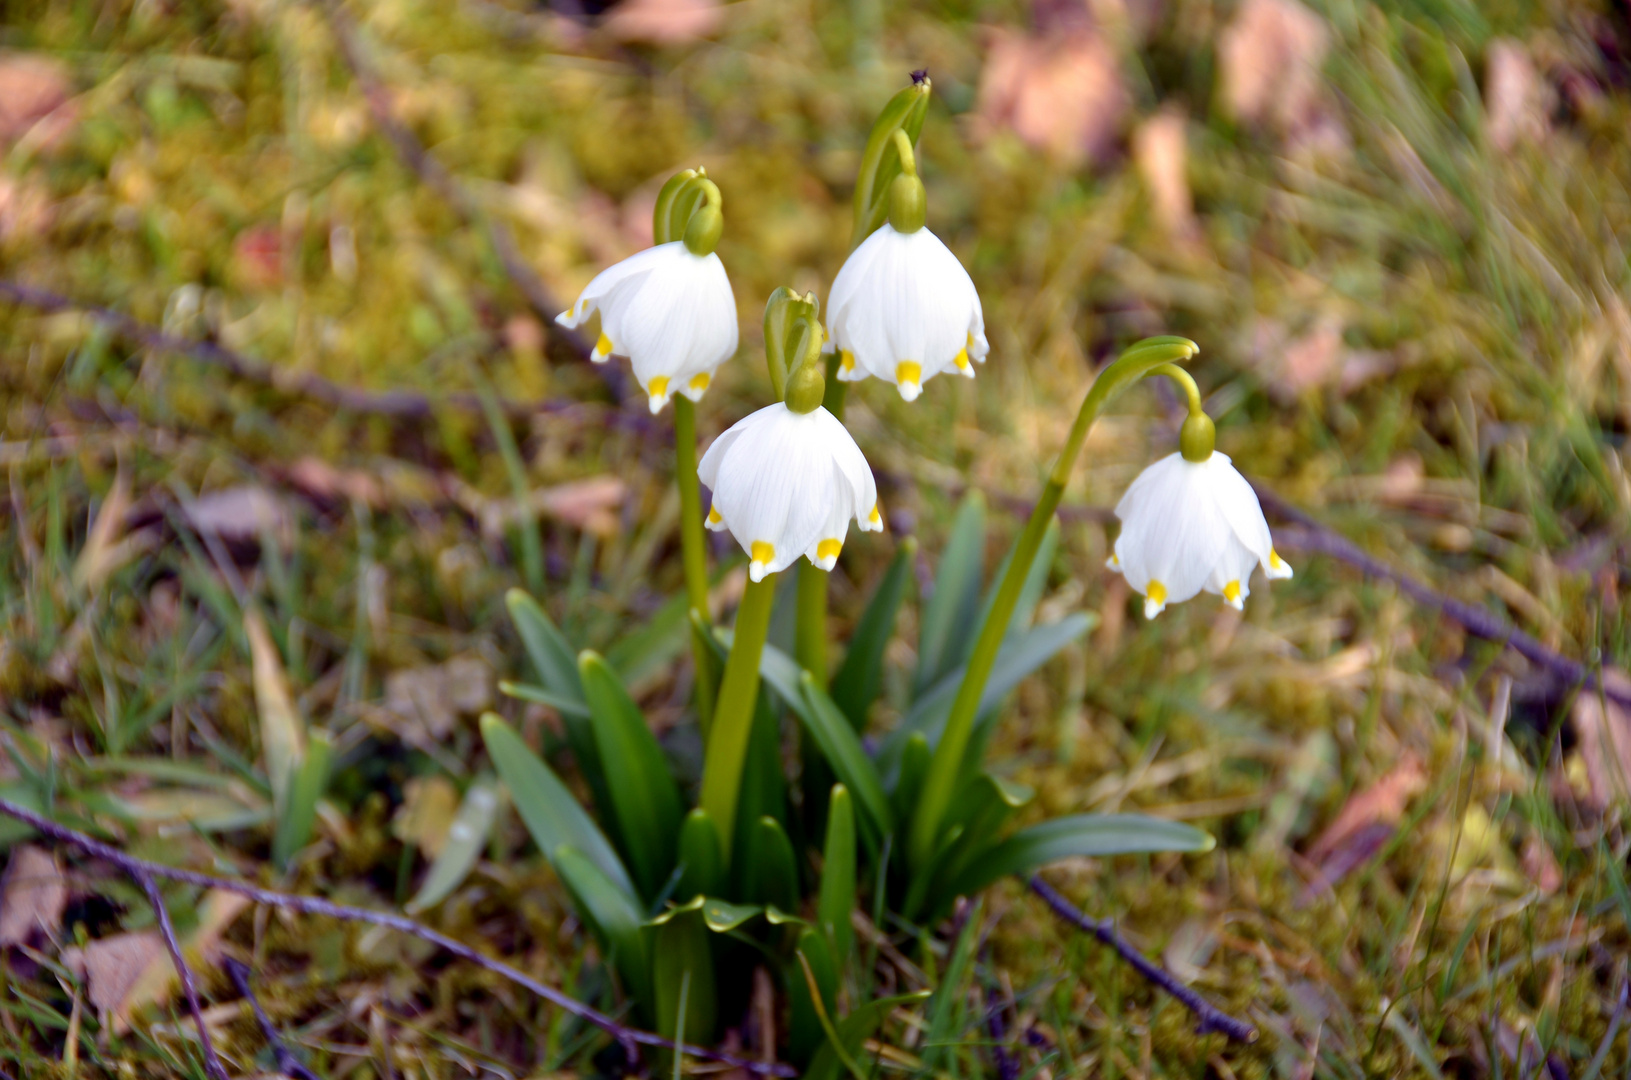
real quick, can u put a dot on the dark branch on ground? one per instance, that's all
(311, 905)
(287, 1063)
(400, 404)
(189, 987)
(1310, 535)
(1212, 1019)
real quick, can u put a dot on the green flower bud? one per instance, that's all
(807, 387)
(1198, 437)
(907, 203)
(702, 231)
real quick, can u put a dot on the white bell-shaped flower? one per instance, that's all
(903, 309)
(787, 484)
(1192, 525)
(672, 313)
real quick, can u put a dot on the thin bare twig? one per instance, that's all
(311, 905)
(434, 175)
(287, 1063)
(400, 404)
(1211, 1017)
(996, 1025)
(1310, 535)
(189, 988)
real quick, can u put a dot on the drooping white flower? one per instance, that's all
(1188, 526)
(903, 309)
(670, 312)
(787, 484)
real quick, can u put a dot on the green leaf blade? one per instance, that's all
(645, 800)
(551, 814)
(855, 687)
(1091, 835)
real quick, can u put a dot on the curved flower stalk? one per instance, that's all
(786, 484)
(1192, 525)
(946, 767)
(902, 308)
(669, 308)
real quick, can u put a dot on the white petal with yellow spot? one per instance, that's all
(787, 484)
(670, 312)
(1188, 526)
(903, 309)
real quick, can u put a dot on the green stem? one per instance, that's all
(810, 632)
(946, 765)
(685, 475)
(733, 716)
(693, 553)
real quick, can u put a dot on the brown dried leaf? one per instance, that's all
(1383, 803)
(321, 481)
(1161, 150)
(283, 733)
(585, 504)
(242, 515)
(32, 896)
(1315, 359)
(102, 552)
(1540, 865)
(26, 210)
(32, 88)
(112, 966)
(435, 696)
(1270, 59)
(1603, 728)
(427, 812)
(664, 22)
(1515, 96)
(1061, 93)
(125, 972)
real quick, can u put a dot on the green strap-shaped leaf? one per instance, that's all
(645, 800)
(914, 766)
(296, 817)
(855, 686)
(854, 1030)
(1021, 655)
(613, 914)
(805, 1033)
(977, 816)
(654, 645)
(837, 896)
(833, 736)
(702, 862)
(1076, 835)
(770, 873)
(552, 658)
(539, 695)
(465, 839)
(948, 619)
(683, 967)
(551, 814)
(763, 792)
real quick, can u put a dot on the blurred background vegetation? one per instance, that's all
(1397, 230)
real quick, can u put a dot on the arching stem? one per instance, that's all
(946, 766)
